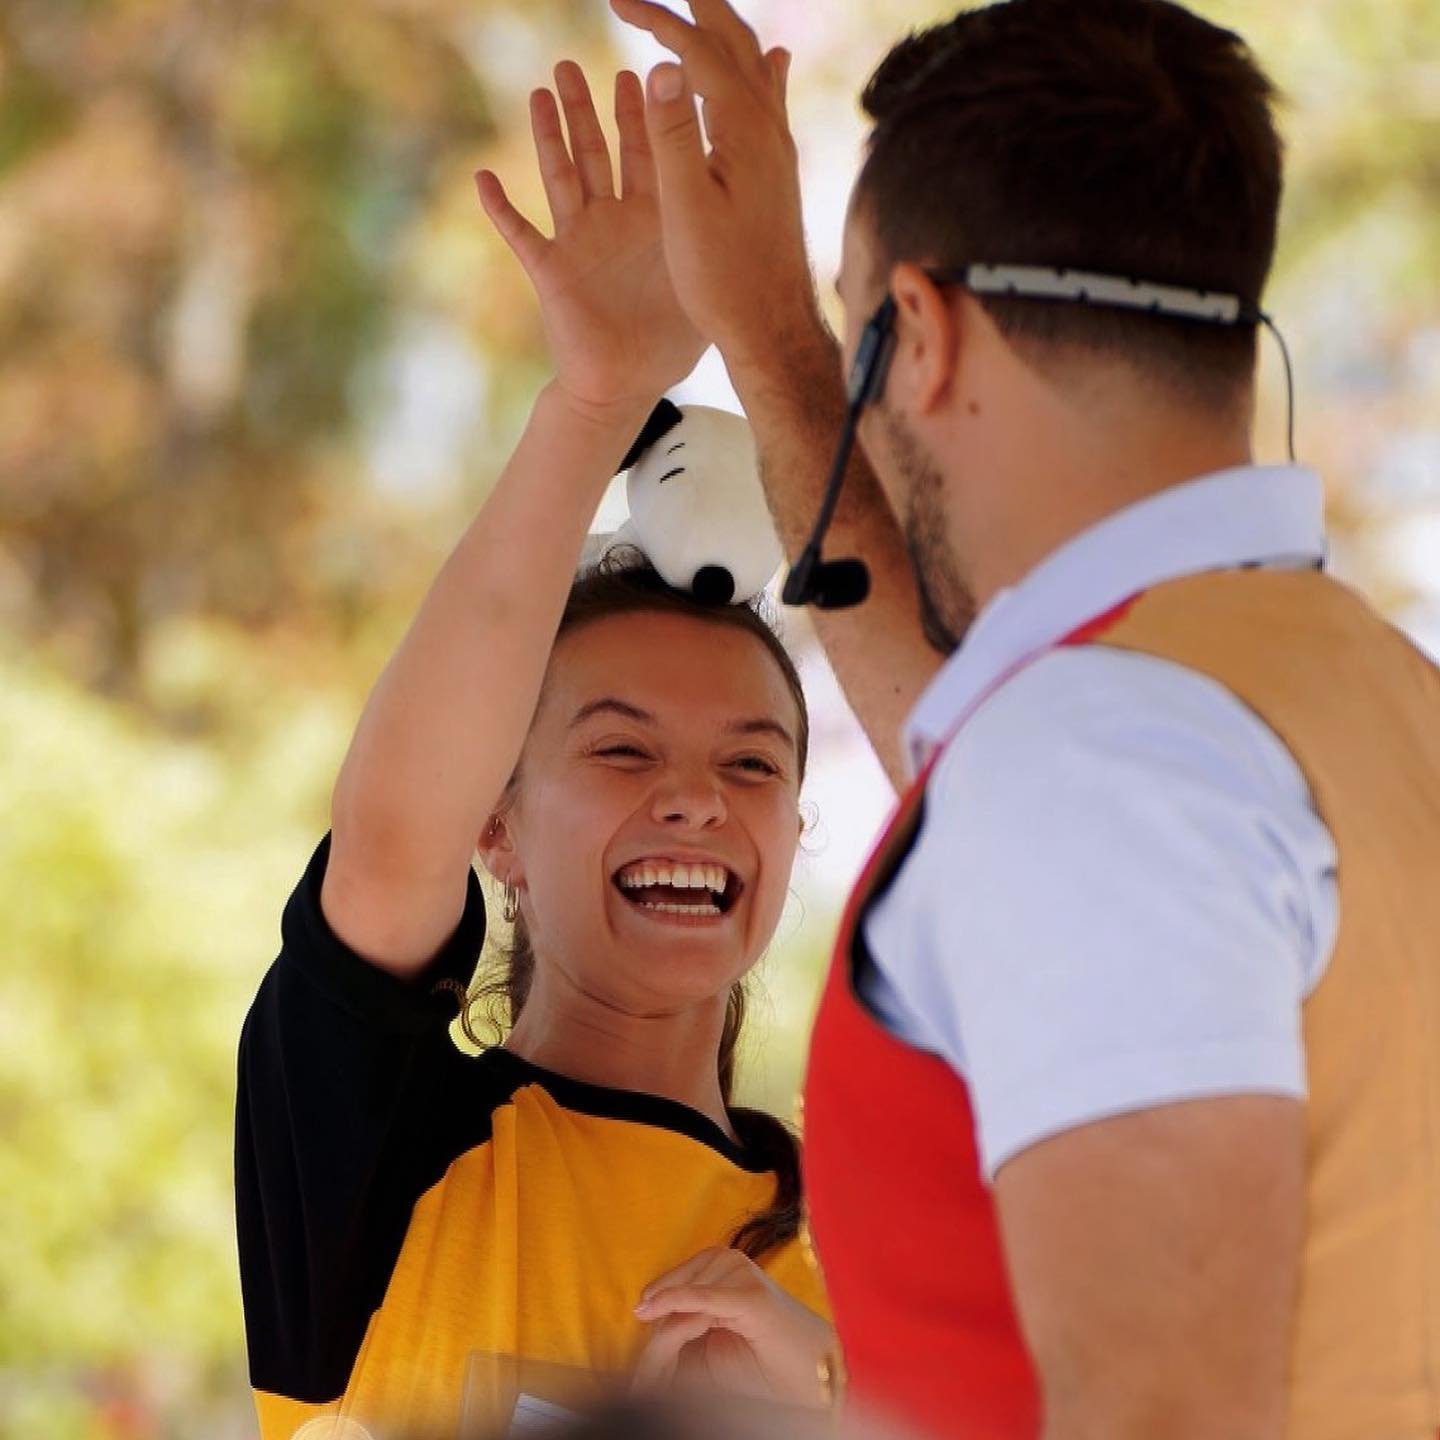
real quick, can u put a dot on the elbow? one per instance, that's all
(369, 833)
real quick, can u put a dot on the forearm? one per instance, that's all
(444, 725)
(1139, 1409)
(795, 400)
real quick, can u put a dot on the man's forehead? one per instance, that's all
(857, 247)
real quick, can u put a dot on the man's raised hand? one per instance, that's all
(616, 332)
(731, 217)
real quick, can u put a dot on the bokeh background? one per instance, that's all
(260, 359)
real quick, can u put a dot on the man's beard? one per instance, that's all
(947, 604)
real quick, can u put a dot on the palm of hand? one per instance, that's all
(616, 331)
(611, 318)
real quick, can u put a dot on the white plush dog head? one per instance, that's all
(697, 509)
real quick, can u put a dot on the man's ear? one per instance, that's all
(496, 848)
(927, 340)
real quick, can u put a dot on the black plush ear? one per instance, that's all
(663, 419)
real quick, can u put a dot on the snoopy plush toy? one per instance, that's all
(697, 509)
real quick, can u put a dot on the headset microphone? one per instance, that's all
(827, 584)
(837, 584)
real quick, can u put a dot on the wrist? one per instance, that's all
(830, 1374)
(605, 424)
(793, 345)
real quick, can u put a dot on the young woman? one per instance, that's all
(425, 1234)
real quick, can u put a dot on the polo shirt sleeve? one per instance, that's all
(345, 1075)
(1124, 896)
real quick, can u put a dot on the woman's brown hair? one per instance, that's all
(624, 583)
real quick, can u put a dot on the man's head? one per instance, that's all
(1124, 137)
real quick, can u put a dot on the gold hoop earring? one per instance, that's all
(510, 909)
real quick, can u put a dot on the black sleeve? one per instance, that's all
(348, 1084)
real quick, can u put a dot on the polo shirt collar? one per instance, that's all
(1249, 515)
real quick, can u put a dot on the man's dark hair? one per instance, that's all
(1128, 137)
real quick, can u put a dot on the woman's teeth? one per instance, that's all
(674, 875)
(644, 873)
(668, 909)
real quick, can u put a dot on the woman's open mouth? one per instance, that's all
(703, 890)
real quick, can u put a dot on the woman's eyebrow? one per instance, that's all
(614, 706)
(761, 725)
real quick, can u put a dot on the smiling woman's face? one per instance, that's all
(656, 817)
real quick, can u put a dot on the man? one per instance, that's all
(1123, 1115)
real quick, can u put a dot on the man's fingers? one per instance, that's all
(675, 139)
(717, 16)
(777, 61)
(524, 240)
(637, 164)
(557, 172)
(665, 25)
(587, 140)
(709, 66)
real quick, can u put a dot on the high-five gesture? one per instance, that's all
(735, 245)
(731, 215)
(615, 330)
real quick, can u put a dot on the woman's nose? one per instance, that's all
(694, 800)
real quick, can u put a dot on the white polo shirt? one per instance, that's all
(1121, 893)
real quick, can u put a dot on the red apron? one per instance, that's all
(901, 1216)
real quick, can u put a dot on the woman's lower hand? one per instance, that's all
(721, 1319)
(616, 332)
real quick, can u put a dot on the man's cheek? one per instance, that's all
(871, 438)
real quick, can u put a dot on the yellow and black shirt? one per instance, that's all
(424, 1234)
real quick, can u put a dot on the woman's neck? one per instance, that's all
(673, 1054)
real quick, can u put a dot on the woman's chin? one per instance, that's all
(709, 947)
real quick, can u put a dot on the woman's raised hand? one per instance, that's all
(617, 335)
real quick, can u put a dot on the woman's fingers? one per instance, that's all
(590, 153)
(721, 1283)
(703, 1263)
(637, 164)
(557, 171)
(723, 1304)
(660, 1357)
(524, 240)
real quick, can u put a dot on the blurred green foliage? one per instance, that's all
(231, 234)
(132, 868)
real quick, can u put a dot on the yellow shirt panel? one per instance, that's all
(510, 1267)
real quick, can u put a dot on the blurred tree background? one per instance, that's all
(260, 358)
